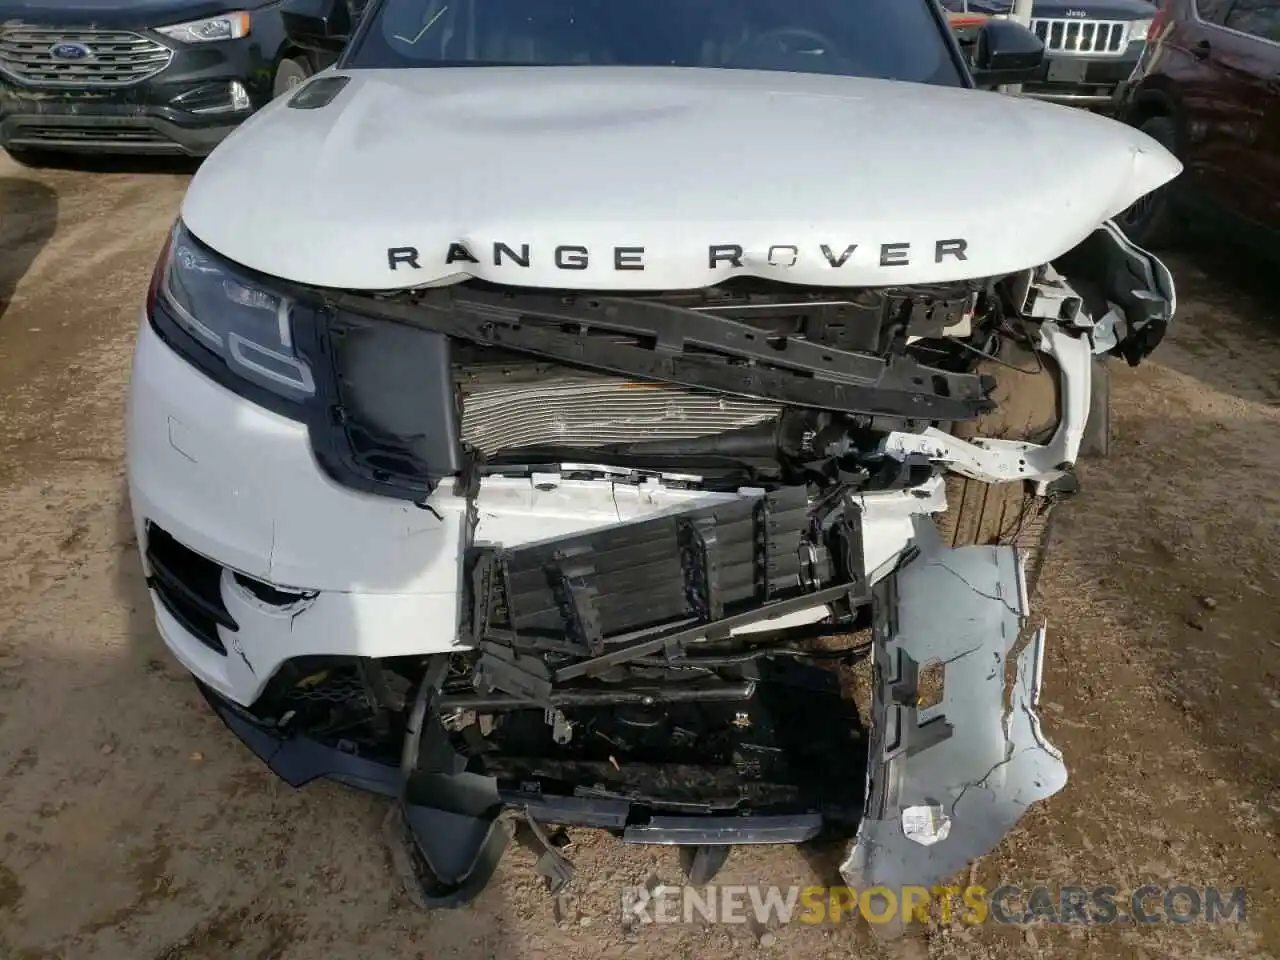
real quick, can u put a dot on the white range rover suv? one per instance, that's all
(538, 414)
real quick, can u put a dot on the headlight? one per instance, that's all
(226, 26)
(236, 317)
(1140, 29)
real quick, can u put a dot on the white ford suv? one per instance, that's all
(538, 413)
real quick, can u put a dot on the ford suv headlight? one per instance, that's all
(225, 26)
(229, 314)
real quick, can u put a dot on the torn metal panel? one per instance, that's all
(1132, 292)
(1105, 296)
(888, 522)
(1051, 297)
(946, 782)
(995, 460)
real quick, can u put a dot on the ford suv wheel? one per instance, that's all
(289, 74)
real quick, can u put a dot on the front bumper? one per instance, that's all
(237, 484)
(948, 779)
(186, 109)
(107, 128)
(1083, 80)
(945, 781)
(303, 567)
(361, 574)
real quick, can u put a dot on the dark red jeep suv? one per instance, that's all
(1208, 88)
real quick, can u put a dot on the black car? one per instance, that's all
(161, 77)
(1091, 46)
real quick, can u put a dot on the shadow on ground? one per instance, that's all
(1227, 316)
(107, 163)
(28, 218)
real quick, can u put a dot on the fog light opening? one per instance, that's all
(271, 595)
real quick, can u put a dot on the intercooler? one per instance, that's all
(587, 411)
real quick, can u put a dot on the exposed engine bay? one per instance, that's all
(739, 384)
(775, 457)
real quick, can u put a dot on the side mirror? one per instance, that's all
(322, 25)
(1006, 52)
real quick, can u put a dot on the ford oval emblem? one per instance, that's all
(70, 51)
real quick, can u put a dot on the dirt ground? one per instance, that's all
(134, 825)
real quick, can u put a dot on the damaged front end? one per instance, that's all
(955, 763)
(685, 672)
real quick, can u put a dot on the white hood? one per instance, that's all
(626, 179)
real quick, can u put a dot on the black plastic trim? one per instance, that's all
(299, 760)
(188, 586)
(139, 134)
(715, 831)
(326, 413)
(318, 93)
(201, 631)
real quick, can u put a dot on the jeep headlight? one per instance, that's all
(233, 315)
(225, 26)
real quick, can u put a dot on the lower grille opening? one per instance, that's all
(189, 586)
(32, 133)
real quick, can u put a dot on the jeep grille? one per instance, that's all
(1095, 37)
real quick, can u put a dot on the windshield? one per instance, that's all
(891, 39)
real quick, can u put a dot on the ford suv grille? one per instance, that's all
(81, 57)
